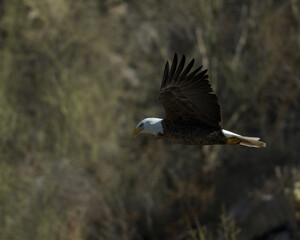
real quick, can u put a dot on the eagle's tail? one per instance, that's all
(236, 139)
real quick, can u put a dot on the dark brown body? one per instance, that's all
(192, 133)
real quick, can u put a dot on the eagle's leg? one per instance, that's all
(233, 141)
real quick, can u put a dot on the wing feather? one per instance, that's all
(173, 69)
(187, 70)
(165, 76)
(188, 95)
(179, 69)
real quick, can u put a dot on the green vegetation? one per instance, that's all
(77, 76)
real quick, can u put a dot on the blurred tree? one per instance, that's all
(76, 76)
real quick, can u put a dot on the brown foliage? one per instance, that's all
(77, 76)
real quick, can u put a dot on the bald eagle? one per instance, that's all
(192, 110)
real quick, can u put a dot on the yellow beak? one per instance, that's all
(136, 132)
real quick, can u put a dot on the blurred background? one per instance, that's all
(77, 76)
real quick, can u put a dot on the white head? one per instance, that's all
(149, 125)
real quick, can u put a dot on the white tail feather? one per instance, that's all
(245, 141)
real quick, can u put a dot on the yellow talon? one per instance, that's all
(233, 141)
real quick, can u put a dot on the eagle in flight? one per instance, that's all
(193, 113)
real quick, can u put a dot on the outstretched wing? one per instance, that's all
(188, 95)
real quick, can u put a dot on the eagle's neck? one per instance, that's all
(154, 126)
